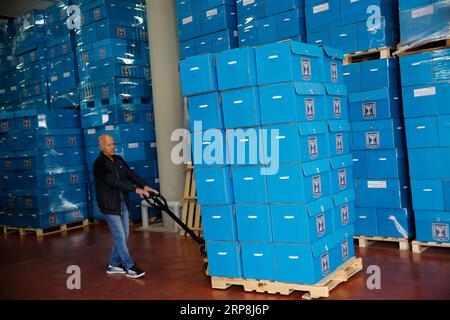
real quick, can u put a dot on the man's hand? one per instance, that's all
(142, 192)
(151, 190)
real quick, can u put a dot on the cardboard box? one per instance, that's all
(224, 40)
(224, 259)
(203, 45)
(253, 223)
(236, 68)
(291, 102)
(375, 105)
(341, 173)
(198, 75)
(345, 38)
(300, 142)
(218, 18)
(426, 100)
(302, 223)
(207, 109)
(339, 137)
(300, 183)
(291, 24)
(389, 193)
(249, 184)
(344, 212)
(383, 73)
(332, 62)
(322, 15)
(267, 30)
(280, 62)
(337, 102)
(352, 77)
(356, 11)
(384, 33)
(244, 146)
(429, 163)
(209, 148)
(254, 9)
(366, 222)
(432, 226)
(273, 7)
(387, 164)
(219, 223)
(378, 134)
(214, 186)
(258, 260)
(189, 27)
(241, 108)
(396, 223)
(430, 194)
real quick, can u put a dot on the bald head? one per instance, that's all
(107, 145)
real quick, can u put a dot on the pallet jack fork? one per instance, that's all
(159, 202)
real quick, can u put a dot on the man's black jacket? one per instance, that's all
(111, 178)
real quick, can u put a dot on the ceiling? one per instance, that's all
(14, 8)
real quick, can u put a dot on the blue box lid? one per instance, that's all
(376, 125)
(311, 128)
(320, 206)
(316, 167)
(341, 161)
(309, 89)
(432, 216)
(339, 125)
(333, 53)
(336, 89)
(381, 94)
(344, 197)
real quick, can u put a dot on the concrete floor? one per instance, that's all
(37, 270)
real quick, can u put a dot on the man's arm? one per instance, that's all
(134, 178)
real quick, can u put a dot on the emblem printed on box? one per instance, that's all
(50, 181)
(337, 108)
(440, 232)
(74, 177)
(339, 143)
(325, 262)
(306, 69)
(317, 186)
(342, 179)
(369, 110)
(320, 224)
(310, 109)
(334, 72)
(52, 218)
(313, 148)
(372, 140)
(344, 215)
(345, 250)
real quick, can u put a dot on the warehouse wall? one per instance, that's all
(163, 34)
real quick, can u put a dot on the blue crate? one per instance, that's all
(121, 29)
(54, 219)
(61, 64)
(277, 62)
(108, 68)
(198, 75)
(65, 99)
(375, 105)
(291, 24)
(64, 82)
(48, 178)
(35, 102)
(323, 38)
(387, 193)
(224, 40)
(300, 142)
(219, 223)
(243, 147)
(266, 30)
(42, 159)
(224, 259)
(332, 61)
(432, 226)
(219, 18)
(312, 179)
(429, 163)
(145, 169)
(50, 119)
(133, 151)
(385, 34)
(9, 180)
(86, 34)
(345, 38)
(250, 9)
(187, 49)
(356, 11)
(113, 9)
(395, 223)
(236, 68)
(46, 139)
(258, 260)
(336, 102)
(366, 223)
(189, 27)
(344, 212)
(291, 102)
(114, 91)
(377, 134)
(7, 122)
(38, 53)
(214, 186)
(339, 137)
(382, 73)
(248, 33)
(203, 45)
(241, 108)
(119, 114)
(387, 164)
(322, 15)
(253, 223)
(426, 100)
(429, 132)
(205, 108)
(33, 88)
(430, 194)
(302, 223)
(34, 71)
(341, 173)
(249, 184)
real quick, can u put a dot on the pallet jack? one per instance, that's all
(157, 201)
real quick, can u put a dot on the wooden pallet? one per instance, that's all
(320, 290)
(372, 54)
(191, 213)
(365, 241)
(420, 246)
(41, 232)
(432, 46)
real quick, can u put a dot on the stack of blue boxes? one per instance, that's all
(42, 169)
(30, 59)
(351, 25)
(62, 65)
(282, 206)
(115, 85)
(9, 90)
(426, 96)
(380, 165)
(266, 21)
(423, 21)
(206, 26)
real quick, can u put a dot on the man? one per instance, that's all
(113, 181)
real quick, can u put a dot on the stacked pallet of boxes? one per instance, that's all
(383, 197)
(281, 207)
(62, 65)
(266, 21)
(115, 87)
(426, 95)
(352, 26)
(206, 26)
(9, 93)
(42, 159)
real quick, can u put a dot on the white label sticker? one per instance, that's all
(14, 88)
(66, 74)
(248, 2)
(55, 78)
(425, 92)
(91, 131)
(321, 8)
(2, 91)
(153, 145)
(212, 12)
(109, 128)
(9, 58)
(422, 12)
(377, 184)
(133, 145)
(187, 20)
(105, 118)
